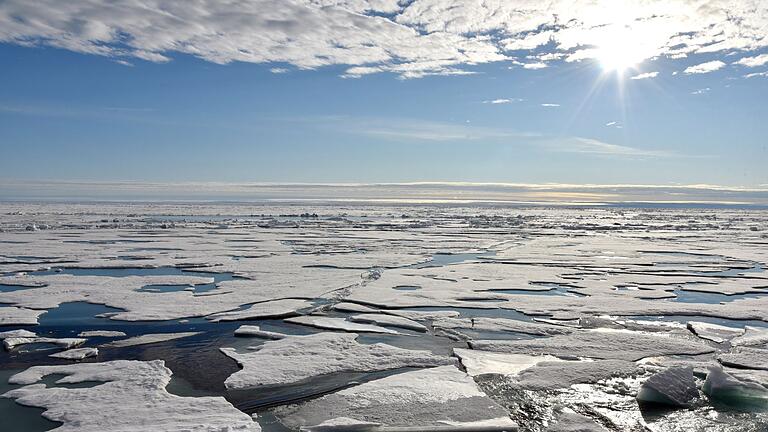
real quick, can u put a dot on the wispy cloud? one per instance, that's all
(502, 101)
(755, 61)
(409, 38)
(410, 130)
(597, 147)
(701, 91)
(550, 105)
(756, 74)
(646, 75)
(614, 124)
(703, 68)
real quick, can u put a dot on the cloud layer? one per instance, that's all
(410, 38)
(422, 192)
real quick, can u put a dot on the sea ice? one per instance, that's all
(479, 362)
(674, 386)
(745, 357)
(388, 320)
(253, 330)
(13, 342)
(270, 309)
(76, 354)
(295, 358)
(102, 333)
(441, 398)
(714, 332)
(727, 388)
(149, 339)
(615, 344)
(333, 323)
(131, 398)
(753, 336)
(12, 315)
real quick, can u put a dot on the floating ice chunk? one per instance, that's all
(753, 336)
(149, 339)
(563, 374)
(12, 315)
(132, 398)
(253, 330)
(354, 307)
(343, 424)
(423, 400)
(618, 344)
(745, 357)
(483, 362)
(295, 358)
(271, 309)
(13, 342)
(388, 320)
(17, 334)
(423, 315)
(674, 386)
(76, 354)
(102, 333)
(500, 325)
(714, 332)
(332, 323)
(723, 386)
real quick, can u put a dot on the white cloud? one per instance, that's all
(502, 101)
(701, 91)
(753, 61)
(646, 75)
(597, 147)
(414, 192)
(756, 74)
(412, 39)
(534, 66)
(703, 68)
(279, 70)
(550, 105)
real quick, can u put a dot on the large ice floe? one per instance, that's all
(295, 358)
(128, 396)
(439, 399)
(384, 318)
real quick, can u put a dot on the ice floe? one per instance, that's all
(388, 320)
(674, 386)
(149, 339)
(76, 353)
(621, 345)
(13, 342)
(131, 397)
(256, 331)
(441, 398)
(102, 333)
(333, 323)
(296, 358)
(714, 332)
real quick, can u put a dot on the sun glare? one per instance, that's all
(617, 50)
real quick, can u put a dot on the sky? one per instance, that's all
(353, 91)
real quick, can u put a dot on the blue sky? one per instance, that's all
(67, 113)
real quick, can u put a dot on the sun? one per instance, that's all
(618, 49)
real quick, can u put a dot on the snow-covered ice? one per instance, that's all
(76, 353)
(131, 397)
(296, 358)
(424, 399)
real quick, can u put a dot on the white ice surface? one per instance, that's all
(296, 358)
(132, 398)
